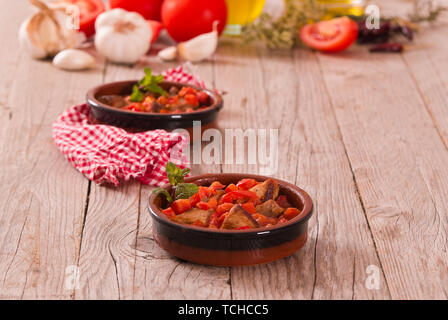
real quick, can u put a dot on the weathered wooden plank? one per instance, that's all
(107, 257)
(42, 196)
(158, 275)
(285, 91)
(428, 64)
(398, 161)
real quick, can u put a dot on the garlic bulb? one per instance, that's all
(168, 54)
(44, 34)
(200, 47)
(122, 36)
(73, 59)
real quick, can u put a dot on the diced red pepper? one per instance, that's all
(162, 100)
(283, 202)
(194, 199)
(133, 107)
(239, 195)
(181, 205)
(243, 228)
(243, 194)
(213, 203)
(217, 185)
(263, 220)
(206, 193)
(246, 184)
(290, 213)
(249, 207)
(203, 205)
(169, 212)
(173, 101)
(186, 90)
(231, 187)
(192, 100)
(214, 220)
(282, 220)
(222, 218)
(198, 224)
(227, 198)
(223, 208)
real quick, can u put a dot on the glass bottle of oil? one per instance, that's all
(342, 7)
(240, 13)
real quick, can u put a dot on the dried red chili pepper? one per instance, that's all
(387, 47)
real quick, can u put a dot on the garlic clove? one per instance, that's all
(45, 33)
(200, 47)
(168, 54)
(73, 59)
(28, 42)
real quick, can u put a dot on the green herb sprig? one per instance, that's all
(148, 83)
(181, 190)
(283, 32)
(426, 11)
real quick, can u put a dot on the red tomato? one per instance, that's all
(89, 10)
(156, 27)
(203, 98)
(186, 19)
(149, 9)
(330, 36)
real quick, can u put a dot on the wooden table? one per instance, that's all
(366, 135)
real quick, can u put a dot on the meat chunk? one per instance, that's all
(193, 215)
(270, 209)
(266, 190)
(237, 218)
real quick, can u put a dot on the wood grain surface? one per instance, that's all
(365, 134)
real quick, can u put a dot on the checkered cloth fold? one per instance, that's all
(106, 154)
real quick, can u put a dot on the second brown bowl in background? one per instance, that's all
(101, 113)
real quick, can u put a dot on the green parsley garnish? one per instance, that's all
(148, 83)
(176, 177)
(136, 95)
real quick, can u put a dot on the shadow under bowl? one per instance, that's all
(232, 247)
(101, 113)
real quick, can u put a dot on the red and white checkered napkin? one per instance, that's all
(106, 154)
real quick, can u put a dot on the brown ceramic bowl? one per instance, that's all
(232, 247)
(141, 121)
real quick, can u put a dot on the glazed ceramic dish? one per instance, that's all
(140, 121)
(233, 247)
